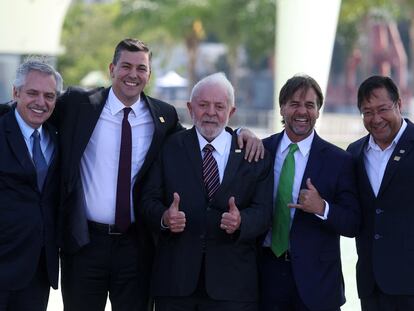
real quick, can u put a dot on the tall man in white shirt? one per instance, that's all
(315, 203)
(385, 173)
(208, 206)
(110, 137)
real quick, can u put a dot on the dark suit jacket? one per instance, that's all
(27, 216)
(314, 243)
(385, 244)
(230, 260)
(76, 114)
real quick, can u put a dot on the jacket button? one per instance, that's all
(377, 236)
(379, 211)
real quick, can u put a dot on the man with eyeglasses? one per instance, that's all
(385, 172)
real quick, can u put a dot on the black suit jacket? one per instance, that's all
(76, 114)
(230, 260)
(385, 244)
(314, 243)
(27, 216)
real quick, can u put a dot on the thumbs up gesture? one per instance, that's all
(230, 221)
(309, 200)
(173, 218)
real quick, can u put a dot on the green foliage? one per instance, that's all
(89, 36)
(91, 31)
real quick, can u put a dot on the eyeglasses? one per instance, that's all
(383, 111)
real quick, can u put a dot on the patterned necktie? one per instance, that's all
(210, 171)
(39, 160)
(281, 220)
(123, 190)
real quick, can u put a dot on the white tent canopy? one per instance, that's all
(171, 79)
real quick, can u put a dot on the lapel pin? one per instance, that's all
(162, 119)
(402, 151)
(237, 150)
(397, 158)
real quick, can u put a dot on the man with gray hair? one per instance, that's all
(28, 190)
(208, 206)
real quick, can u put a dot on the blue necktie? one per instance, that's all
(39, 160)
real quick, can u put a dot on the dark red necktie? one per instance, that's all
(123, 190)
(210, 171)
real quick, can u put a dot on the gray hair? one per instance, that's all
(38, 64)
(218, 78)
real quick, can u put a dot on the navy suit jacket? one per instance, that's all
(230, 261)
(315, 243)
(27, 215)
(385, 244)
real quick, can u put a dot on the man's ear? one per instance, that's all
(15, 93)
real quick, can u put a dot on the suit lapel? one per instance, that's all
(402, 149)
(236, 156)
(315, 161)
(362, 175)
(53, 161)
(18, 145)
(87, 119)
(192, 149)
(156, 141)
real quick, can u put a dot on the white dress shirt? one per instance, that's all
(46, 144)
(100, 160)
(301, 160)
(221, 144)
(376, 159)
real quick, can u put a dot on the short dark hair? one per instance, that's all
(299, 82)
(131, 45)
(377, 82)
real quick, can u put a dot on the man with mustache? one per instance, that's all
(208, 206)
(109, 139)
(29, 187)
(315, 203)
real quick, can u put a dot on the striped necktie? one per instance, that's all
(210, 171)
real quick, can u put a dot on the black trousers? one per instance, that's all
(200, 301)
(33, 297)
(273, 272)
(379, 301)
(107, 265)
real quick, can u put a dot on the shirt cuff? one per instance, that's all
(325, 214)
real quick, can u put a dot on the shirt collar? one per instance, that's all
(115, 105)
(373, 145)
(26, 129)
(304, 145)
(219, 143)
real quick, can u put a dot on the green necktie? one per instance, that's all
(281, 219)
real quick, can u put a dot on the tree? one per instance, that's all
(250, 24)
(169, 21)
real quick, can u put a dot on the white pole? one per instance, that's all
(305, 34)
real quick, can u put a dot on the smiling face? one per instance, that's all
(36, 99)
(130, 75)
(210, 110)
(300, 113)
(382, 117)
